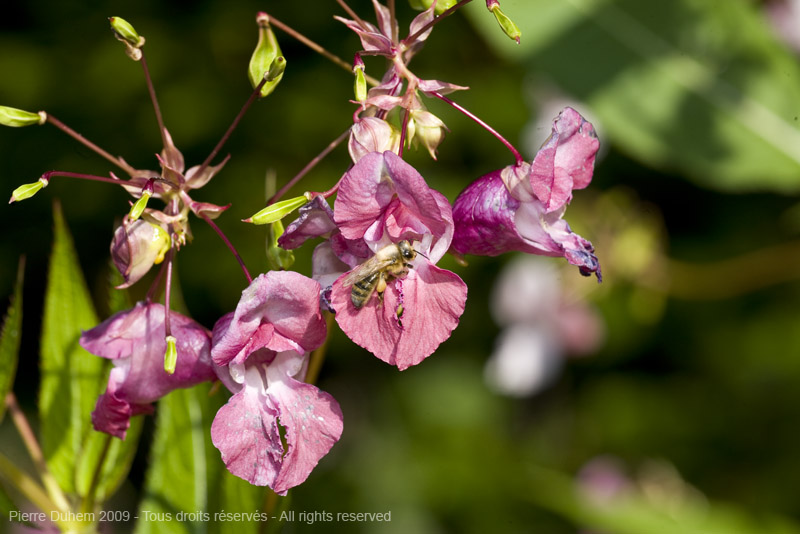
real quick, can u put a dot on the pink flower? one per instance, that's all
(263, 348)
(521, 206)
(134, 341)
(382, 200)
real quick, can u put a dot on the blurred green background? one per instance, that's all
(682, 416)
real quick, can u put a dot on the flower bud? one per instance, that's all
(426, 129)
(372, 134)
(263, 61)
(279, 259)
(126, 33)
(277, 211)
(508, 26)
(441, 5)
(139, 206)
(170, 355)
(136, 247)
(16, 117)
(360, 87)
(28, 190)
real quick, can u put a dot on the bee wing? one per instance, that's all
(369, 267)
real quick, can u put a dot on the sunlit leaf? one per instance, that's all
(701, 88)
(117, 460)
(71, 377)
(182, 462)
(9, 339)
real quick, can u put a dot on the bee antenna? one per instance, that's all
(424, 255)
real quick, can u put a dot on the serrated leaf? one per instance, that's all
(182, 462)
(10, 336)
(701, 88)
(71, 377)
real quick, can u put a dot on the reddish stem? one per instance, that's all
(333, 144)
(232, 127)
(447, 13)
(91, 146)
(51, 174)
(229, 245)
(152, 90)
(488, 128)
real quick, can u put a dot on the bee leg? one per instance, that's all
(380, 287)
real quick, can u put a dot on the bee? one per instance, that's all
(372, 275)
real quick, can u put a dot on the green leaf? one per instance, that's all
(698, 87)
(237, 496)
(10, 336)
(116, 459)
(7, 506)
(71, 377)
(182, 462)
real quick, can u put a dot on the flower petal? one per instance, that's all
(311, 418)
(315, 220)
(245, 431)
(417, 313)
(285, 300)
(565, 161)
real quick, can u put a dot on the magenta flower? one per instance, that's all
(382, 200)
(134, 341)
(263, 348)
(521, 206)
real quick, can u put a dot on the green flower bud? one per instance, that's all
(279, 259)
(277, 211)
(171, 355)
(28, 190)
(360, 87)
(16, 117)
(508, 26)
(126, 33)
(441, 5)
(263, 61)
(139, 206)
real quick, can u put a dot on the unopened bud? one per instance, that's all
(136, 247)
(126, 33)
(360, 87)
(277, 257)
(17, 117)
(441, 5)
(508, 26)
(263, 61)
(28, 190)
(139, 206)
(277, 211)
(426, 129)
(171, 354)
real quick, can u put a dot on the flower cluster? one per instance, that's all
(376, 267)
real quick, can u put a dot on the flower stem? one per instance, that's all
(91, 146)
(229, 245)
(310, 165)
(319, 49)
(168, 293)
(59, 500)
(353, 14)
(403, 131)
(318, 356)
(156, 108)
(447, 13)
(89, 501)
(488, 128)
(22, 482)
(65, 174)
(253, 96)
